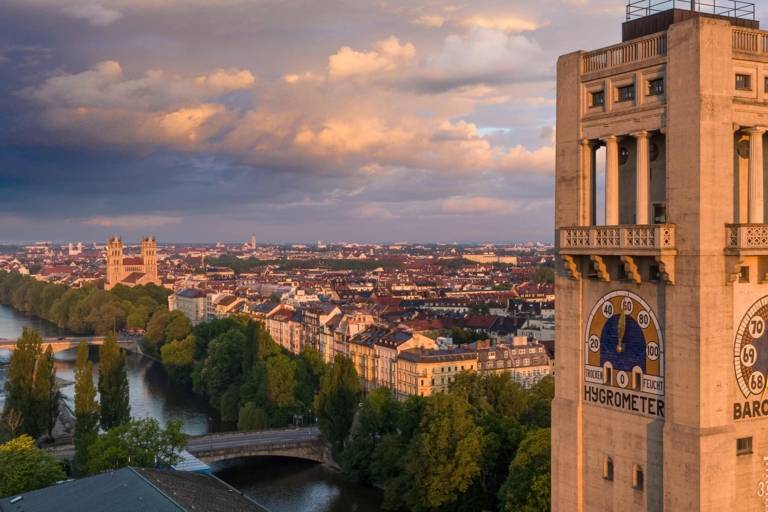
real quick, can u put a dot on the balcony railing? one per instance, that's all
(633, 239)
(747, 238)
(633, 51)
(750, 41)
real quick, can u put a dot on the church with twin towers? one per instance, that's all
(131, 270)
(662, 284)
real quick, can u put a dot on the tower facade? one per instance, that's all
(114, 261)
(662, 287)
(149, 256)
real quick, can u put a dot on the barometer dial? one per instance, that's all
(750, 350)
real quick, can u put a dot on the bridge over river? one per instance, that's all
(62, 344)
(301, 443)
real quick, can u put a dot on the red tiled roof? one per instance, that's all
(133, 260)
(133, 277)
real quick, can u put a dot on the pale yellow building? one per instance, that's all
(387, 349)
(424, 372)
(662, 292)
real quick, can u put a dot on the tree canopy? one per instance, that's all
(86, 310)
(25, 467)
(86, 407)
(113, 384)
(139, 442)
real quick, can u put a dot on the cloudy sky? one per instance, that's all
(360, 120)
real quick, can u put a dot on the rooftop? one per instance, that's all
(645, 17)
(129, 489)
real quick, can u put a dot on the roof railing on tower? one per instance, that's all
(728, 8)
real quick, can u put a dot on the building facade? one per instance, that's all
(662, 296)
(191, 302)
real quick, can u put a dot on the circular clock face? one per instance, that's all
(623, 345)
(750, 350)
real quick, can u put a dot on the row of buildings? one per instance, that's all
(409, 356)
(405, 360)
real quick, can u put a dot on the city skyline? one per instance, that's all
(140, 116)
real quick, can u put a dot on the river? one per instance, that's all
(278, 484)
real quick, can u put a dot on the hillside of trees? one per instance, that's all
(246, 265)
(86, 310)
(250, 380)
(484, 445)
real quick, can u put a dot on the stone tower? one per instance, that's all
(149, 256)
(114, 262)
(662, 288)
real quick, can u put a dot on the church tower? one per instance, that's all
(114, 262)
(149, 256)
(662, 288)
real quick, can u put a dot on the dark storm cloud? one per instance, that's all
(363, 120)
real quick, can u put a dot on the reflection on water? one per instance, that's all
(151, 393)
(279, 484)
(12, 323)
(289, 485)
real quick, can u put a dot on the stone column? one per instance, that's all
(643, 176)
(755, 175)
(611, 180)
(585, 183)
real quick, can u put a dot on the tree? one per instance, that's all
(337, 401)
(539, 410)
(155, 333)
(376, 419)
(281, 380)
(137, 318)
(25, 467)
(140, 442)
(178, 327)
(113, 384)
(252, 417)
(527, 488)
(178, 358)
(223, 365)
(86, 407)
(20, 384)
(309, 372)
(544, 274)
(45, 393)
(445, 455)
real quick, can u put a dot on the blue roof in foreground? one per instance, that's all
(123, 490)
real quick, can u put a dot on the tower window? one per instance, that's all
(744, 274)
(597, 99)
(655, 87)
(743, 82)
(627, 93)
(638, 478)
(608, 469)
(744, 446)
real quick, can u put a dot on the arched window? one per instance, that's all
(608, 469)
(638, 478)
